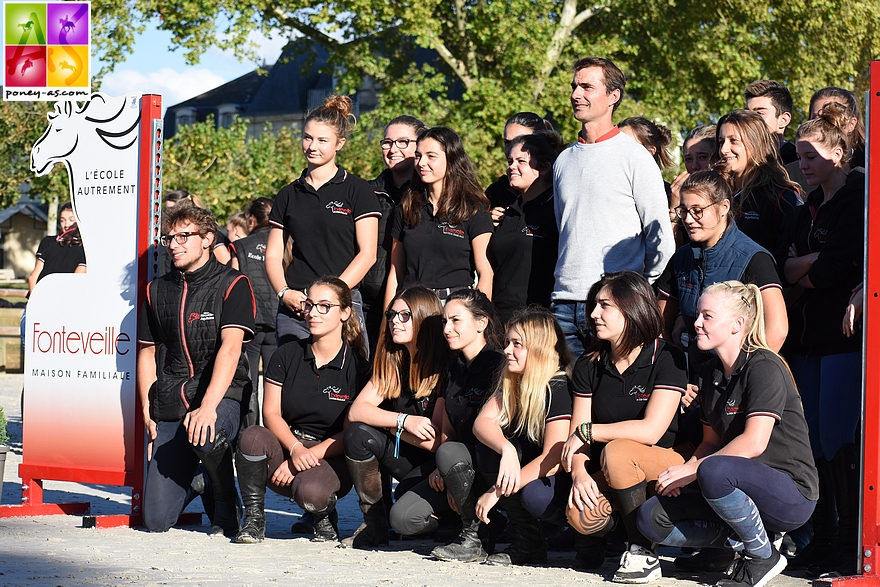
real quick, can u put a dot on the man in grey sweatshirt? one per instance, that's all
(610, 202)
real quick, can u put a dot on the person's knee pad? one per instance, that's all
(359, 441)
(411, 515)
(713, 477)
(537, 498)
(653, 521)
(312, 497)
(450, 454)
(589, 521)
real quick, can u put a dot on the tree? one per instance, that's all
(225, 169)
(687, 61)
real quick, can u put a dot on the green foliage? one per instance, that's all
(4, 437)
(21, 124)
(225, 168)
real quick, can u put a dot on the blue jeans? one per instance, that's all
(831, 391)
(174, 463)
(572, 317)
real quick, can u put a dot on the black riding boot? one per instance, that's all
(528, 545)
(845, 468)
(459, 483)
(252, 477)
(218, 465)
(368, 483)
(326, 522)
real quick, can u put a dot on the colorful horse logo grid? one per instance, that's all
(46, 45)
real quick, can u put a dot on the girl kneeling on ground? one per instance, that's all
(521, 431)
(754, 467)
(308, 387)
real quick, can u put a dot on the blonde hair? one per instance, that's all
(392, 361)
(525, 396)
(745, 300)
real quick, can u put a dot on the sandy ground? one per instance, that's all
(57, 550)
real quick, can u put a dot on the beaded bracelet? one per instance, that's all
(585, 432)
(401, 420)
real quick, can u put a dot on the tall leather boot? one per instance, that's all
(218, 464)
(467, 548)
(528, 545)
(252, 477)
(819, 552)
(368, 483)
(327, 522)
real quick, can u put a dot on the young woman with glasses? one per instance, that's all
(309, 386)
(441, 229)
(331, 216)
(398, 152)
(395, 427)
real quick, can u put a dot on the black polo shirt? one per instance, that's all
(523, 252)
(761, 385)
(439, 254)
(58, 258)
(558, 408)
(321, 224)
(468, 386)
(500, 193)
(620, 397)
(315, 399)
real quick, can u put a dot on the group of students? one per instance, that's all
(414, 342)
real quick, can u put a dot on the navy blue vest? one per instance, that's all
(696, 268)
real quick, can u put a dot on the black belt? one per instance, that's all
(445, 292)
(302, 435)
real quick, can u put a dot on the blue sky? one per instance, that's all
(153, 68)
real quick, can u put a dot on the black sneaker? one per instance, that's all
(749, 571)
(708, 560)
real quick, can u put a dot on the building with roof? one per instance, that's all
(281, 94)
(22, 227)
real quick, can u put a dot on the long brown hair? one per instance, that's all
(351, 328)
(392, 361)
(461, 198)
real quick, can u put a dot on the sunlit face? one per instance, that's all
(431, 161)
(511, 131)
(320, 143)
(325, 324)
(516, 352)
(706, 230)
(66, 219)
(732, 150)
(192, 254)
(463, 331)
(520, 172)
(763, 105)
(609, 321)
(697, 154)
(395, 157)
(401, 332)
(817, 163)
(590, 98)
(714, 324)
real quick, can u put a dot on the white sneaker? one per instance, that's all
(638, 565)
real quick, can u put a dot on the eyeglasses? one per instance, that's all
(322, 307)
(179, 238)
(399, 143)
(696, 212)
(403, 315)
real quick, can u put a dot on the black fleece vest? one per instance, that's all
(187, 309)
(251, 254)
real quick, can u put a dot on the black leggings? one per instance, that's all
(689, 520)
(363, 442)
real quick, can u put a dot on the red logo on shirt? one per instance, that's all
(640, 393)
(194, 317)
(533, 230)
(261, 248)
(338, 208)
(731, 409)
(451, 229)
(335, 394)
